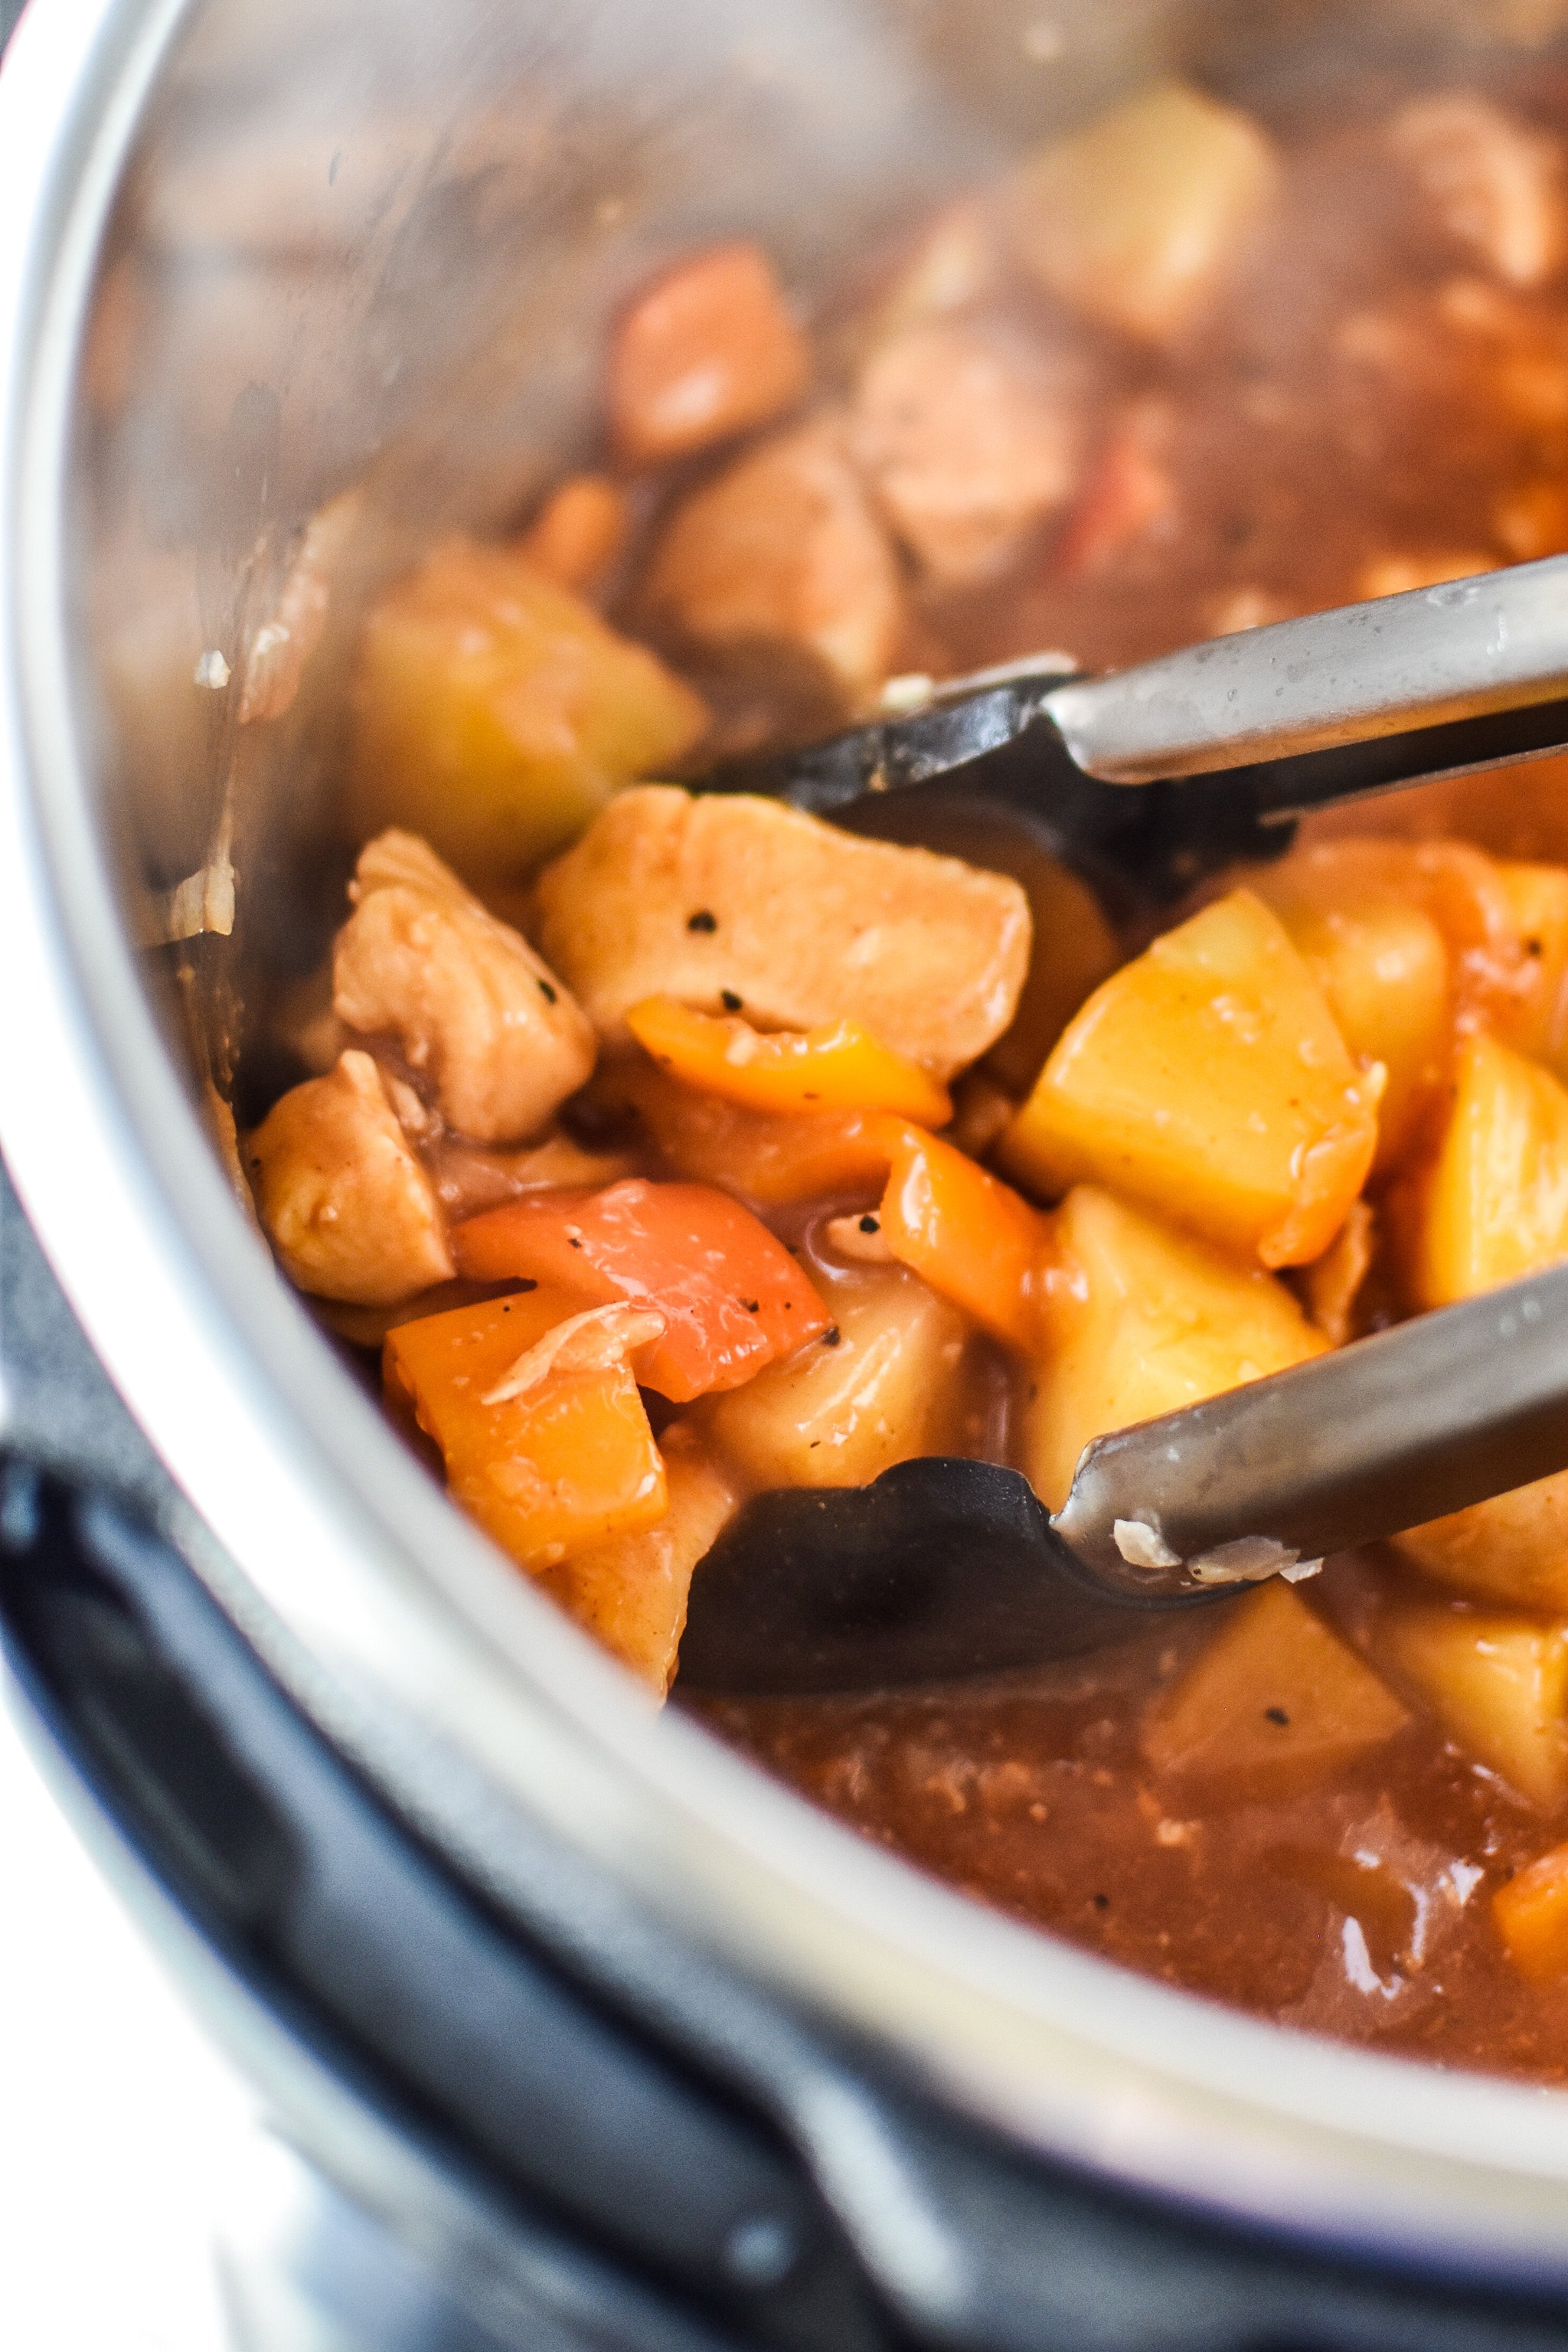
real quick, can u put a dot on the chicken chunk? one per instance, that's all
(706, 351)
(470, 1002)
(784, 550)
(1495, 184)
(969, 441)
(347, 1206)
(739, 902)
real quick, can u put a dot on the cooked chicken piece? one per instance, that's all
(1495, 184)
(630, 1594)
(350, 1212)
(969, 441)
(706, 351)
(739, 903)
(784, 550)
(468, 1000)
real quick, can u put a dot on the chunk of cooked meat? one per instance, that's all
(784, 550)
(350, 1211)
(1494, 182)
(471, 1005)
(719, 900)
(970, 441)
(707, 349)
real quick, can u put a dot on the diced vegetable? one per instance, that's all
(1331, 1286)
(955, 263)
(1383, 965)
(782, 549)
(838, 1066)
(1512, 1549)
(1140, 1319)
(1534, 1016)
(1134, 219)
(970, 443)
(494, 711)
(707, 349)
(1495, 1205)
(630, 1592)
(768, 1157)
(1495, 184)
(348, 1210)
(567, 1464)
(1277, 1702)
(1208, 1078)
(1497, 1685)
(579, 532)
(878, 1387)
(973, 1239)
(701, 895)
(472, 1007)
(733, 1297)
(1531, 1916)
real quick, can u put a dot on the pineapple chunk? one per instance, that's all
(1142, 1319)
(1275, 1703)
(1495, 1204)
(630, 1592)
(1536, 1022)
(1531, 1916)
(1512, 1548)
(1497, 1682)
(877, 1387)
(1208, 1078)
(1383, 966)
(495, 712)
(1135, 218)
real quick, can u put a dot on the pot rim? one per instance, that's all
(399, 1629)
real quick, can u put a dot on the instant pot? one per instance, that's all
(586, 2034)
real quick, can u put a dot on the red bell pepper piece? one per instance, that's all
(732, 1296)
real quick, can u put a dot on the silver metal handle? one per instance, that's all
(1467, 648)
(1444, 1411)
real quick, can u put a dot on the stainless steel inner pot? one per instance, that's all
(253, 254)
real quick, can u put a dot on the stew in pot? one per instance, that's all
(666, 1148)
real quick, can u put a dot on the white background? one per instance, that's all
(119, 2125)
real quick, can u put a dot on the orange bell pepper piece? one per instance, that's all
(971, 1238)
(839, 1067)
(733, 1297)
(773, 1156)
(550, 1472)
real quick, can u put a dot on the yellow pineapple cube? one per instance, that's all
(1537, 1020)
(1497, 1682)
(1276, 1702)
(1142, 1319)
(1383, 964)
(495, 712)
(1495, 1204)
(1208, 1078)
(1512, 1549)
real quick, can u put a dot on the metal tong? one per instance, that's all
(1144, 781)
